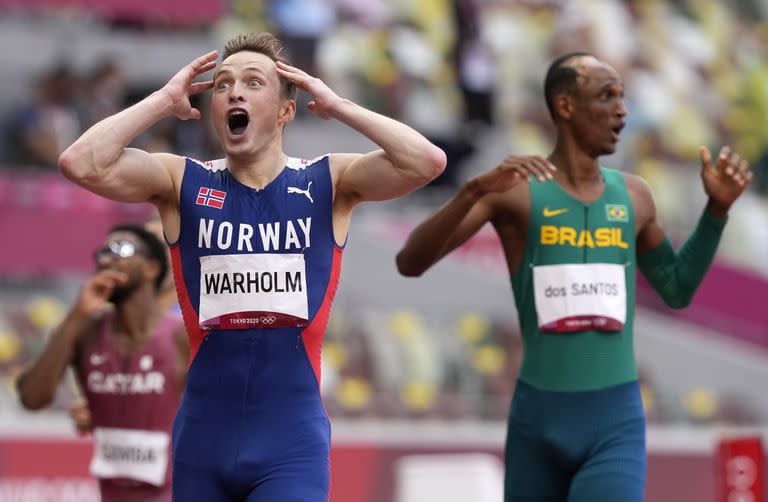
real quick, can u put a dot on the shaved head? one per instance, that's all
(565, 75)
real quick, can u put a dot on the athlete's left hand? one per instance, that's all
(81, 417)
(725, 181)
(325, 100)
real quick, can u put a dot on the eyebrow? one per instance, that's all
(247, 68)
(612, 83)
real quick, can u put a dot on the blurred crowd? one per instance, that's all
(468, 74)
(63, 104)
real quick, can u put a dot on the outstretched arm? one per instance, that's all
(101, 162)
(406, 161)
(463, 215)
(677, 276)
(37, 384)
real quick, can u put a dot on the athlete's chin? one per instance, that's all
(237, 148)
(607, 149)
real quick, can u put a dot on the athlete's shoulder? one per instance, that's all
(518, 193)
(641, 195)
(173, 315)
(208, 165)
(511, 205)
(300, 164)
(636, 184)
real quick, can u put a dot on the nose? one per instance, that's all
(236, 93)
(103, 259)
(621, 109)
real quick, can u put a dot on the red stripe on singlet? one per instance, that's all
(314, 333)
(191, 319)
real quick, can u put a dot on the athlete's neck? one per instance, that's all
(135, 315)
(576, 169)
(258, 169)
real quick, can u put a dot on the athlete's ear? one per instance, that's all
(564, 106)
(287, 111)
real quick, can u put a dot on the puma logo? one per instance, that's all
(554, 212)
(305, 192)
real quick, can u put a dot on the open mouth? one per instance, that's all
(237, 121)
(617, 131)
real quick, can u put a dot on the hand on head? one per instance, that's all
(181, 86)
(325, 99)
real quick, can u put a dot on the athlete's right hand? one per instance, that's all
(81, 416)
(181, 87)
(96, 291)
(514, 170)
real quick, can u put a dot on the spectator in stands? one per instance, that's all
(43, 128)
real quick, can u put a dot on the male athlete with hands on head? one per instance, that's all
(256, 244)
(573, 236)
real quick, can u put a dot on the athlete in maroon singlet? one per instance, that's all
(166, 300)
(130, 361)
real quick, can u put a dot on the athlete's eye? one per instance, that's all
(223, 85)
(254, 83)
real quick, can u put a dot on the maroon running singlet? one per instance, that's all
(133, 400)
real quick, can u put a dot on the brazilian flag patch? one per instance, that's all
(617, 212)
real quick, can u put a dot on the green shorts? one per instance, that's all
(586, 446)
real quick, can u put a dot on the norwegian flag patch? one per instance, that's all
(211, 197)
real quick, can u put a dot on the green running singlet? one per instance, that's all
(564, 230)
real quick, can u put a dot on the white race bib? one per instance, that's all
(243, 291)
(580, 297)
(131, 454)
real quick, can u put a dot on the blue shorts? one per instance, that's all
(251, 426)
(586, 446)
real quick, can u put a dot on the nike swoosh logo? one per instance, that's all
(548, 213)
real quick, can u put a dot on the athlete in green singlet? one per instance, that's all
(573, 237)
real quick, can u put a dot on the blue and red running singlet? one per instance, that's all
(256, 272)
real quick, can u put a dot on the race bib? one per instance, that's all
(129, 453)
(244, 291)
(580, 297)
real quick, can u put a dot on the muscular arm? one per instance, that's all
(476, 203)
(675, 276)
(101, 162)
(405, 162)
(448, 228)
(38, 383)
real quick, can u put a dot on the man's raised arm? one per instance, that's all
(677, 275)
(101, 162)
(467, 211)
(406, 161)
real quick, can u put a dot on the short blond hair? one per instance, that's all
(263, 43)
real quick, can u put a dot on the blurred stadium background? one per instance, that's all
(418, 374)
